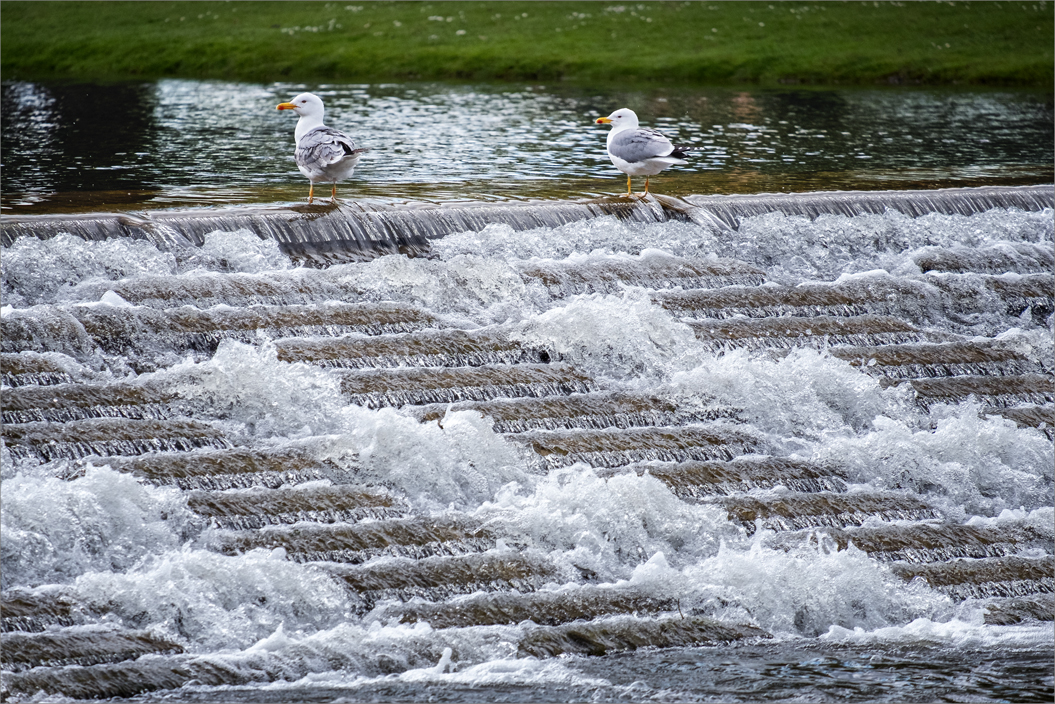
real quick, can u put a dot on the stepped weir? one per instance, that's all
(89, 384)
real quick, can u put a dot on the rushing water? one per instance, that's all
(74, 147)
(675, 450)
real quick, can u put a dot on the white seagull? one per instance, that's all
(638, 151)
(323, 154)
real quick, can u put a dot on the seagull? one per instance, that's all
(638, 151)
(323, 154)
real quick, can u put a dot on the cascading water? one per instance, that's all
(711, 448)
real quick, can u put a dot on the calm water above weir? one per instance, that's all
(173, 143)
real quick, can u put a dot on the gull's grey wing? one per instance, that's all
(322, 147)
(638, 145)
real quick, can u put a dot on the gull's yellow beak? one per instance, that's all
(598, 121)
(286, 106)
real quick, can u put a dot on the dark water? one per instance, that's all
(76, 147)
(788, 672)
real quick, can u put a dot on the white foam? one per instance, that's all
(807, 394)
(254, 396)
(236, 251)
(46, 271)
(1041, 519)
(50, 271)
(112, 299)
(607, 526)
(521, 671)
(952, 633)
(967, 465)
(599, 236)
(461, 464)
(55, 530)
(466, 284)
(804, 591)
(208, 602)
(795, 248)
(619, 336)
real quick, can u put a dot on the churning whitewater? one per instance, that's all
(235, 477)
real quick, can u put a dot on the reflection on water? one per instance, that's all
(145, 145)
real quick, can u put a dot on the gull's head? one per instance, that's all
(620, 119)
(305, 105)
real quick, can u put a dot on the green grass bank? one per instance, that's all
(966, 43)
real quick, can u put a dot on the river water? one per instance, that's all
(190, 143)
(635, 456)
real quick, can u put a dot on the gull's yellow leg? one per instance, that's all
(646, 184)
(311, 193)
(333, 196)
(628, 184)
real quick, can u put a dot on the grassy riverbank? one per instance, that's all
(976, 43)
